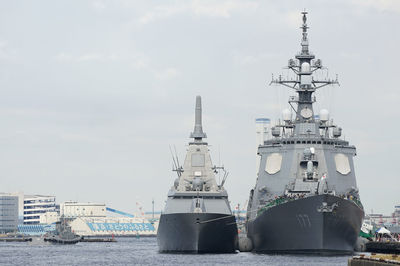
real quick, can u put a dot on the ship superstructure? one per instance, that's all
(305, 199)
(197, 217)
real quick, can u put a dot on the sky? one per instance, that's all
(93, 93)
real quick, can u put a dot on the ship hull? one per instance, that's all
(197, 233)
(303, 226)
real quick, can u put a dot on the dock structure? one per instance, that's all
(374, 260)
(15, 239)
(107, 240)
(383, 247)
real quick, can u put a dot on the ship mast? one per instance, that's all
(305, 85)
(198, 133)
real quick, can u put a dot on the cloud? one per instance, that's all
(64, 57)
(98, 5)
(160, 12)
(251, 59)
(221, 9)
(140, 63)
(5, 51)
(168, 73)
(292, 19)
(381, 5)
(80, 137)
(91, 57)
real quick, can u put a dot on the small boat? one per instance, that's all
(63, 234)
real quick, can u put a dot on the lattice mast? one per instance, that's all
(305, 85)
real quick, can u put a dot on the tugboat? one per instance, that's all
(197, 217)
(63, 234)
(305, 199)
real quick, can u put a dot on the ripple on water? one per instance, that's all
(140, 251)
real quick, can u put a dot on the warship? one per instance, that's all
(197, 217)
(305, 199)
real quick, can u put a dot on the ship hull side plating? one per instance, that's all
(302, 226)
(197, 233)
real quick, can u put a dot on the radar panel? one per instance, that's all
(342, 164)
(273, 164)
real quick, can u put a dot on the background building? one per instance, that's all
(35, 205)
(263, 126)
(49, 217)
(8, 213)
(263, 132)
(93, 219)
(72, 209)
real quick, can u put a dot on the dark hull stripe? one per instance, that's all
(298, 227)
(197, 233)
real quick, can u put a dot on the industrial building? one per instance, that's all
(117, 226)
(91, 219)
(72, 209)
(86, 219)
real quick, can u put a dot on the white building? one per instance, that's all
(36, 205)
(49, 217)
(72, 209)
(263, 130)
(117, 226)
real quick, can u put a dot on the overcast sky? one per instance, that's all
(92, 93)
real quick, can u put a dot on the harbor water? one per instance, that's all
(140, 251)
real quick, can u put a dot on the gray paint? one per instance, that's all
(308, 147)
(197, 208)
(213, 196)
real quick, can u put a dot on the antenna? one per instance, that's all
(304, 66)
(176, 156)
(173, 158)
(175, 166)
(219, 163)
(225, 177)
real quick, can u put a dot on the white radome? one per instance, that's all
(324, 115)
(305, 67)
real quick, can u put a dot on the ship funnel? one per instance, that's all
(198, 133)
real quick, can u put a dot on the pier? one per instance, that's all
(15, 239)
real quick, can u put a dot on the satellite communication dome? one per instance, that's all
(324, 115)
(287, 116)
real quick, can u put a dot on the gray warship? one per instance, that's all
(197, 217)
(305, 199)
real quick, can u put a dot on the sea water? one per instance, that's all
(140, 251)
